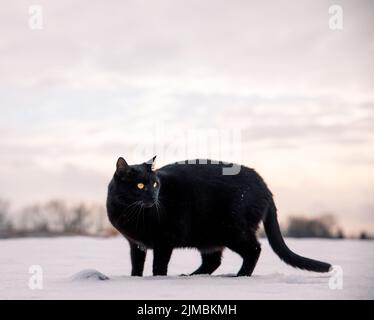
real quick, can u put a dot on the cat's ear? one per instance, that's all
(122, 165)
(151, 164)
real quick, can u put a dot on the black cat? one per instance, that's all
(195, 205)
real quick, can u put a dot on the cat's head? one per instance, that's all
(136, 183)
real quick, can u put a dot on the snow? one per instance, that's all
(89, 274)
(76, 268)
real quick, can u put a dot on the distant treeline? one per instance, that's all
(323, 226)
(56, 218)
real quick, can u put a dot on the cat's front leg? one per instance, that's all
(161, 258)
(137, 259)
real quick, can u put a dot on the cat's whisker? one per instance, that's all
(131, 214)
(131, 211)
(158, 210)
(161, 208)
(143, 216)
(137, 215)
(130, 208)
(123, 216)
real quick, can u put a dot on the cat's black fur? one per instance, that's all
(195, 205)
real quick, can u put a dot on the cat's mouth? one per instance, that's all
(148, 204)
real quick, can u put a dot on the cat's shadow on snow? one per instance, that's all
(94, 275)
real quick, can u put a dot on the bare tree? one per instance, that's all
(58, 213)
(320, 227)
(6, 226)
(34, 219)
(364, 236)
(100, 220)
(79, 222)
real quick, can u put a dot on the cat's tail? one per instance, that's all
(280, 248)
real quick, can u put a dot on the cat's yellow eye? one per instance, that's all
(140, 186)
(155, 185)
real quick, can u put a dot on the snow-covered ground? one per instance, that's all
(61, 260)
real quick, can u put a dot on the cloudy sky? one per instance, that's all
(101, 79)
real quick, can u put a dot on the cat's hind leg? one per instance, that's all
(249, 249)
(210, 262)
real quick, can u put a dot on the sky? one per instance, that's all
(270, 81)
